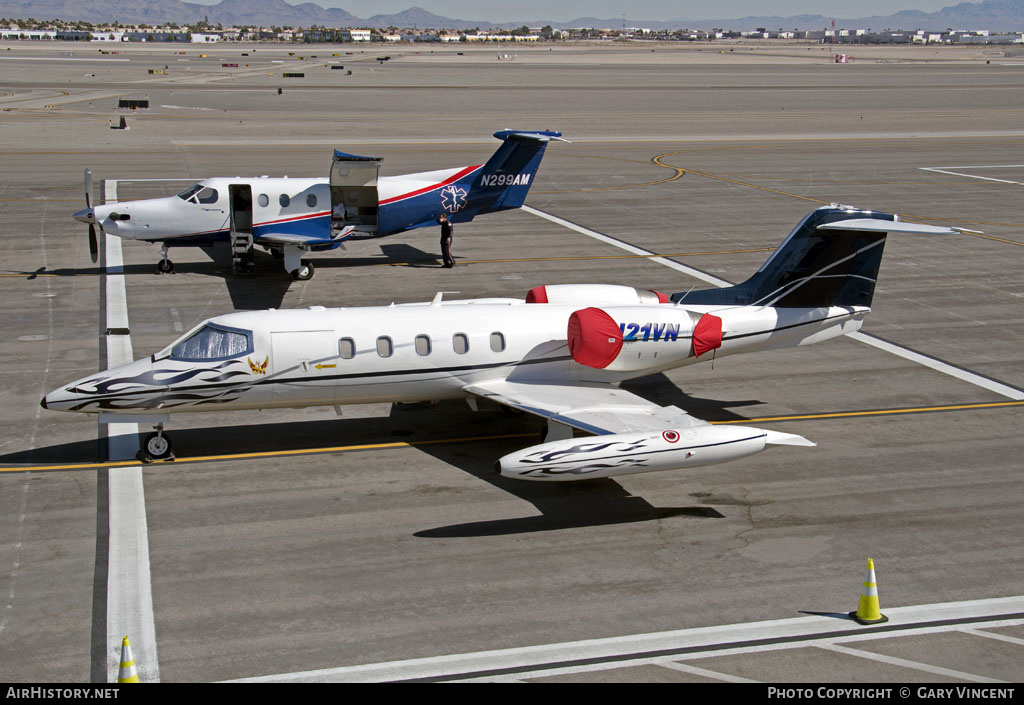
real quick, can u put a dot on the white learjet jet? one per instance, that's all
(560, 355)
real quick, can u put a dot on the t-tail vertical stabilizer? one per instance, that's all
(830, 259)
(505, 179)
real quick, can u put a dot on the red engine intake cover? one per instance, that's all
(594, 338)
(537, 295)
(707, 334)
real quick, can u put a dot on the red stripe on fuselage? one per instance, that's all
(318, 214)
(427, 189)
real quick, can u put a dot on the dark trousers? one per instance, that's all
(446, 250)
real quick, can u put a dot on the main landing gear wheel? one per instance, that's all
(303, 273)
(156, 446)
(165, 266)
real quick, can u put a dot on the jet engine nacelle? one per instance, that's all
(629, 338)
(591, 294)
(630, 453)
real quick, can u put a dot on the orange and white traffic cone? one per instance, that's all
(127, 673)
(868, 611)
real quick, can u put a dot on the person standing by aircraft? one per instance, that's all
(446, 240)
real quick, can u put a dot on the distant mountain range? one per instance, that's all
(994, 15)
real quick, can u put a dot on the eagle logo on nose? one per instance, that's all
(257, 368)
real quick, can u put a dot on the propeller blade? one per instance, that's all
(88, 188)
(94, 247)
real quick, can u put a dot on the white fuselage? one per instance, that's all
(279, 205)
(412, 352)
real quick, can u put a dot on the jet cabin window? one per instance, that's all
(213, 343)
(423, 345)
(347, 348)
(497, 342)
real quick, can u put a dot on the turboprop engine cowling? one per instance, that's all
(629, 338)
(644, 451)
(597, 294)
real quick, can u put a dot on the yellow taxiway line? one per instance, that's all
(475, 439)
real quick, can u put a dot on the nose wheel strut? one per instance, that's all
(164, 266)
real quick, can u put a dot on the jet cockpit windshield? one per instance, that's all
(212, 342)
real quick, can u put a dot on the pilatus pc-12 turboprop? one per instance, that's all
(559, 355)
(291, 217)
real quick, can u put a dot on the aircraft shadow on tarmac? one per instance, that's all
(596, 502)
(570, 505)
(266, 288)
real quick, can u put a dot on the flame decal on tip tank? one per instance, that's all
(587, 469)
(548, 461)
(582, 449)
(149, 390)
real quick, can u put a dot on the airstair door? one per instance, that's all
(240, 205)
(354, 197)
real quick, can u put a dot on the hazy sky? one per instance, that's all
(563, 10)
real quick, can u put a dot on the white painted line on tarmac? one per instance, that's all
(904, 663)
(940, 366)
(129, 588)
(694, 670)
(703, 276)
(995, 635)
(892, 348)
(956, 171)
(643, 649)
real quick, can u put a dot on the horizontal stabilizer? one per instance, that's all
(873, 225)
(538, 135)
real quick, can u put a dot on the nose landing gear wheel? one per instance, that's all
(156, 446)
(165, 266)
(303, 273)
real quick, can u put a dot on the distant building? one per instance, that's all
(356, 35)
(33, 34)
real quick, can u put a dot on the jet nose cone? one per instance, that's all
(86, 215)
(42, 403)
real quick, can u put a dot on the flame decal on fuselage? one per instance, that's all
(118, 393)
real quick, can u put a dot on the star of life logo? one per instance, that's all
(453, 198)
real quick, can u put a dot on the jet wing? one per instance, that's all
(598, 409)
